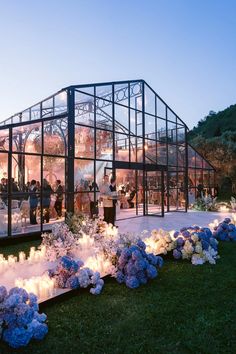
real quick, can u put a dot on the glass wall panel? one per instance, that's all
(84, 174)
(60, 103)
(161, 129)
(53, 170)
(25, 116)
(150, 99)
(121, 118)
(198, 161)
(150, 151)
(136, 149)
(161, 109)
(161, 153)
(84, 142)
(121, 94)
(25, 168)
(48, 108)
(181, 156)
(27, 138)
(4, 139)
(171, 132)
(35, 112)
(191, 157)
(121, 147)
(172, 155)
(136, 95)
(171, 116)
(150, 126)
(55, 137)
(104, 91)
(104, 144)
(104, 118)
(3, 194)
(84, 109)
(180, 134)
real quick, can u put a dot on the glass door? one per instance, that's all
(129, 184)
(154, 193)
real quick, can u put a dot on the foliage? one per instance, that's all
(207, 203)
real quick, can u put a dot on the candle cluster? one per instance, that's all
(42, 286)
(35, 256)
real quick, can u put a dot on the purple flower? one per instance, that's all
(180, 241)
(177, 254)
(176, 234)
(186, 234)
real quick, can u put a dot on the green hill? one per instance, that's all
(215, 124)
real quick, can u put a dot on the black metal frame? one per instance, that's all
(121, 96)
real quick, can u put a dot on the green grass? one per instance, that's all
(187, 309)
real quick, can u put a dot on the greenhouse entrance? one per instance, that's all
(141, 192)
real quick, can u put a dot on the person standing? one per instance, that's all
(47, 191)
(33, 202)
(59, 198)
(106, 196)
(94, 196)
(114, 200)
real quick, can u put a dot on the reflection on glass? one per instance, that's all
(104, 145)
(4, 139)
(84, 142)
(84, 109)
(55, 137)
(121, 147)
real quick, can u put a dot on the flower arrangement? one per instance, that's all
(206, 203)
(136, 266)
(159, 242)
(19, 318)
(70, 274)
(60, 242)
(196, 244)
(225, 231)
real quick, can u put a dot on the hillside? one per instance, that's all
(215, 124)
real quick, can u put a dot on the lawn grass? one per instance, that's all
(187, 309)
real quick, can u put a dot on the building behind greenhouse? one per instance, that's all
(84, 132)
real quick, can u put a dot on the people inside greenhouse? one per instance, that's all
(3, 190)
(114, 200)
(33, 202)
(59, 198)
(46, 198)
(131, 197)
(200, 189)
(106, 197)
(94, 197)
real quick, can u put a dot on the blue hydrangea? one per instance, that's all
(136, 255)
(205, 245)
(72, 282)
(176, 234)
(120, 277)
(21, 292)
(140, 264)
(141, 244)
(132, 282)
(3, 293)
(17, 337)
(40, 317)
(38, 329)
(160, 261)
(151, 272)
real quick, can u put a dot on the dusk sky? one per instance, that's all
(185, 49)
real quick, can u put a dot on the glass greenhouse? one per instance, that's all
(75, 137)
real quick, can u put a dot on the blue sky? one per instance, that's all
(185, 49)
